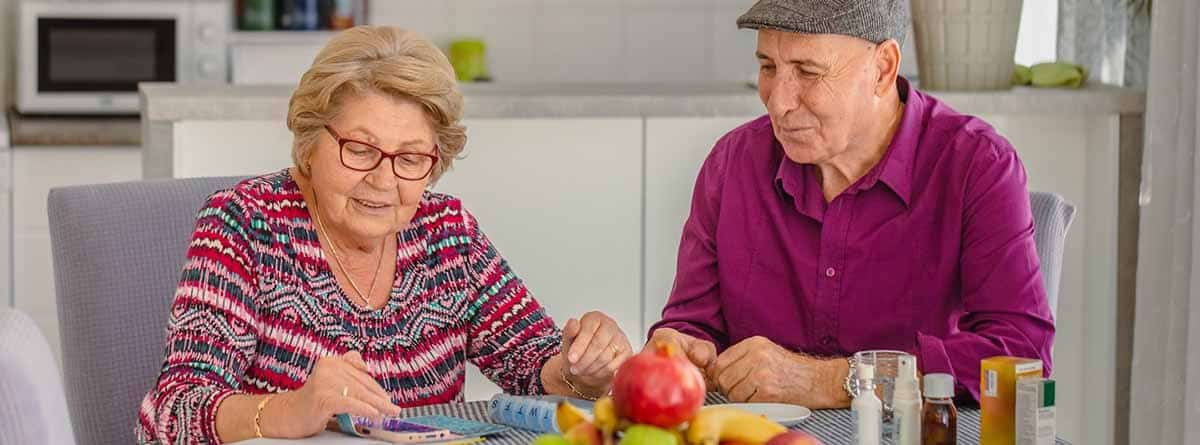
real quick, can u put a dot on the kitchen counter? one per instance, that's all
(74, 131)
(171, 102)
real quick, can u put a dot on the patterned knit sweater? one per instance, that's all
(257, 305)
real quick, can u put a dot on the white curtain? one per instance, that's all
(1165, 397)
(1109, 37)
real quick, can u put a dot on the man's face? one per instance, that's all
(818, 90)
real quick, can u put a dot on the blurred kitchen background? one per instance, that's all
(636, 89)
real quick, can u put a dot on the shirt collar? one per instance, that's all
(895, 168)
(798, 182)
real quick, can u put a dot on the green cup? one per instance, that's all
(469, 58)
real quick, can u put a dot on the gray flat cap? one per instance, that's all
(871, 20)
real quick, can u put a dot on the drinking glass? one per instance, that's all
(887, 366)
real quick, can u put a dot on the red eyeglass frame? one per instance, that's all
(341, 141)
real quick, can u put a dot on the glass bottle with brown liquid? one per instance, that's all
(939, 418)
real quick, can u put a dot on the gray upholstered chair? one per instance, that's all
(32, 406)
(1052, 216)
(118, 252)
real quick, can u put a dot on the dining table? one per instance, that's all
(830, 426)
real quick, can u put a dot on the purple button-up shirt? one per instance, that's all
(930, 252)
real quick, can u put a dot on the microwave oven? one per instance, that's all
(87, 57)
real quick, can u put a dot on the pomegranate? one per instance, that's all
(659, 387)
(794, 438)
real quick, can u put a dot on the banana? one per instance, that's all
(566, 416)
(716, 424)
(679, 439)
(606, 414)
(606, 418)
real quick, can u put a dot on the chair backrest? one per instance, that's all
(1052, 216)
(32, 406)
(118, 252)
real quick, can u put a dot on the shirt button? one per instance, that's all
(826, 340)
(830, 272)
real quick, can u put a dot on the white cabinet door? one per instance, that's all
(675, 148)
(561, 200)
(230, 148)
(36, 170)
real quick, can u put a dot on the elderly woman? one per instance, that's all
(342, 285)
(858, 213)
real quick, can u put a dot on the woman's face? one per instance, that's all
(368, 205)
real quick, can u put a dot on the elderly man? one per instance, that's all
(859, 213)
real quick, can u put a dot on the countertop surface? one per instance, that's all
(174, 102)
(26, 131)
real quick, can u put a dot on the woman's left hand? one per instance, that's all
(593, 348)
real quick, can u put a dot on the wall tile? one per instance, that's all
(612, 4)
(596, 40)
(668, 45)
(674, 5)
(430, 18)
(731, 49)
(506, 28)
(579, 44)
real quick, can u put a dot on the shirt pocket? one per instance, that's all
(776, 295)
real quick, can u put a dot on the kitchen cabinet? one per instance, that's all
(561, 199)
(675, 149)
(36, 170)
(231, 148)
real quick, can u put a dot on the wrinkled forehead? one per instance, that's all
(793, 46)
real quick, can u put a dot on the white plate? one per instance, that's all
(779, 412)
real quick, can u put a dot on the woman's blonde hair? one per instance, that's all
(381, 59)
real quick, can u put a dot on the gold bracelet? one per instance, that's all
(563, 373)
(258, 416)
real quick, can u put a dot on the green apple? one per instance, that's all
(550, 439)
(648, 435)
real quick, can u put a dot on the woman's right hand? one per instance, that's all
(337, 384)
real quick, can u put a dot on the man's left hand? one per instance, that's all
(758, 370)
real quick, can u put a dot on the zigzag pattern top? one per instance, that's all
(257, 305)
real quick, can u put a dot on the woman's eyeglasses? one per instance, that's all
(361, 156)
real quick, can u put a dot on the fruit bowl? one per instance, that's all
(657, 400)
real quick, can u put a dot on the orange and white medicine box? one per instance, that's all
(998, 396)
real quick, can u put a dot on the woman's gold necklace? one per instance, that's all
(366, 298)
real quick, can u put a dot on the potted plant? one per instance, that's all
(966, 44)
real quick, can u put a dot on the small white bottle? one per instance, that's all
(906, 403)
(867, 409)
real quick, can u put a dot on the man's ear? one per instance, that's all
(887, 65)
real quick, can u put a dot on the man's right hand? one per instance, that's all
(701, 353)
